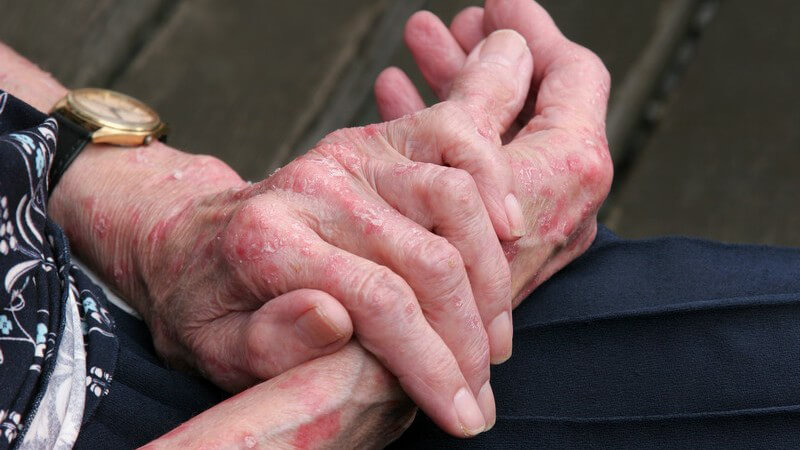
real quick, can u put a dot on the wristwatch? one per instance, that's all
(100, 116)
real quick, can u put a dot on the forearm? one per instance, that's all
(111, 198)
(112, 201)
(344, 400)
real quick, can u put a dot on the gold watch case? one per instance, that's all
(111, 117)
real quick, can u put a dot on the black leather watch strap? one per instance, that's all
(72, 138)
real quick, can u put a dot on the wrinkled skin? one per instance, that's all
(558, 165)
(345, 400)
(556, 145)
(559, 157)
(226, 274)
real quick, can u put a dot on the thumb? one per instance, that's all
(285, 332)
(294, 328)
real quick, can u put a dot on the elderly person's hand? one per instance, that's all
(345, 400)
(556, 145)
(242, 281)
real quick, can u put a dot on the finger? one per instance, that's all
(428, 263)
(447, 200)
(288, 330)
(572, 82)
(436, 52)
(494, 81)
(396, 94)
(467, 27)
(446, 134)
(386, 315)
(294, 328)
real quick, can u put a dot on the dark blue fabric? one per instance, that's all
(146, 399)
(663, 343)
(36, 280)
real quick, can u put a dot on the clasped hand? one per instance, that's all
(392, 232)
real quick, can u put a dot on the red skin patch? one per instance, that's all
(162, 228)
(298, 380)
(371, 130)
(121, 271)
(88, 204)
(510, 249)
(312, 434)
(101, 225)
(574, 164)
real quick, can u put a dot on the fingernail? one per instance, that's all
(516, 221)
(469, 414)
(501, 335)
(316, 330)
(504, 47)
(486, 402)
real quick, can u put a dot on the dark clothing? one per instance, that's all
(146, 399)
(57, 343)
(664, 343)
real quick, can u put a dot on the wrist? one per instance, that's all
(112, 200)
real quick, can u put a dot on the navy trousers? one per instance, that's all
(662, 343)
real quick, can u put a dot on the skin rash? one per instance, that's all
(561, 176)
(345, 400)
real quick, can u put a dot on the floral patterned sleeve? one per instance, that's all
(57, 342)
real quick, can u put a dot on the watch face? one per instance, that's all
(112, 109)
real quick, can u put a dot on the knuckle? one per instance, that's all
(437, 259)
(454, 185)
(598, 170)
(336, 136)
(312, 174)
(382, 291)
(251, 234)
(593, 63)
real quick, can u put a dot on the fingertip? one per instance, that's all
(501, 334)
(437, 53)
(505, 210)
(396, 95)
(514, 216)
(418, 23)
(467, 27)
(487, 404)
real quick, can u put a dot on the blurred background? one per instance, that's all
(704, 123)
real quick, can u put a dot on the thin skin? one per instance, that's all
(562, 231)
(199, 254)
(563, 174)
(556, 145)
(344, 400)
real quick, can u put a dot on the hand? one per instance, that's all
(345, 400)
(217, 267)
(556, 145)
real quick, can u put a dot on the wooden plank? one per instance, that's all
(81, 42)
(725, 160)
(633, 38)
(242, 81)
